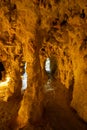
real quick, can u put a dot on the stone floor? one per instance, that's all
(58, 115)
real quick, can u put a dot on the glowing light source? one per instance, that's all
(5, 83)
(47, 65)
(24, 78)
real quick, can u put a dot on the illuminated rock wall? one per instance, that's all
(19, 43)
(32, 31)
(63, 25)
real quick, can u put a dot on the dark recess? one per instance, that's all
(1, 69)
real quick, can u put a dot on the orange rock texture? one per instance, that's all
(31, 31)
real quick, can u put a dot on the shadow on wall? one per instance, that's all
(71, 87)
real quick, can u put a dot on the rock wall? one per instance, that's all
(31, 31)
(19, 43)
(63, 24)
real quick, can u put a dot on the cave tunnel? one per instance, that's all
(1, 70)
(48, 68)
(50, 38)
(47, 65)
(51, 66)
(24, 76)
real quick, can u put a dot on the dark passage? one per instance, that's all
(1, 69)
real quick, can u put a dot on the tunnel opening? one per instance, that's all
(2, 70)
(24, 77)
(48, 86)
(48, 67)
(4, 78)
(51, 67)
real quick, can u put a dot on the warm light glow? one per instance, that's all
(5, 83)
(24, 79)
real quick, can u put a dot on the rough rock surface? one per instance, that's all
(31, 31)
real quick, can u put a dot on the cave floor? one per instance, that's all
(58, 115)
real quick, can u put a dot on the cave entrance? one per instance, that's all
(2, 70)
